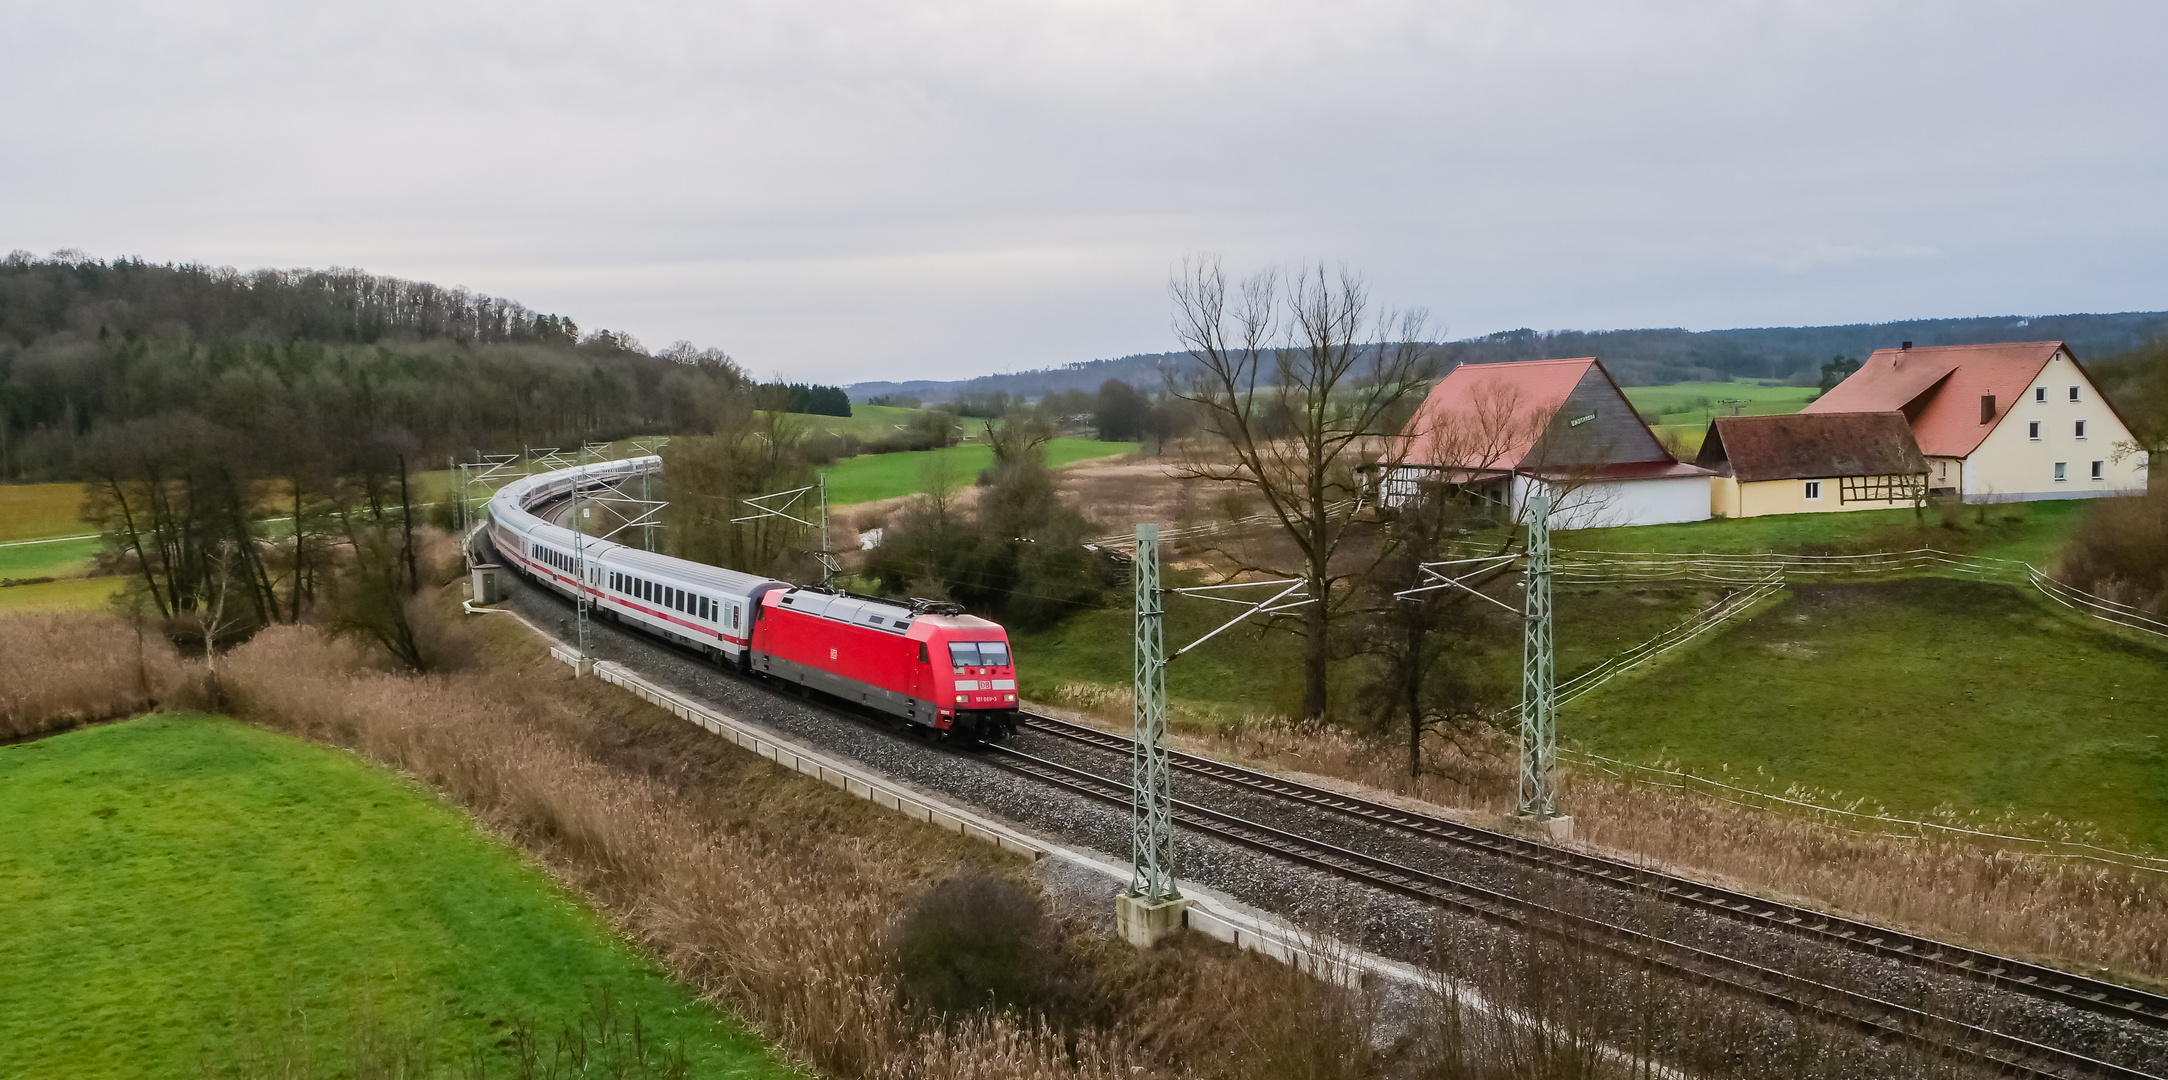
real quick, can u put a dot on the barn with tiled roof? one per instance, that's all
(1506, 431)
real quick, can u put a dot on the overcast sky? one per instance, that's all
(885, 189)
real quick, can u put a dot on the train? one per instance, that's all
(922, 663)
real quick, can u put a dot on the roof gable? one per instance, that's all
(1940, 389)
(1811, 445)
(1529, 414)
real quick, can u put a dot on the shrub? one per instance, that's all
(978, 941)
(2121, 552)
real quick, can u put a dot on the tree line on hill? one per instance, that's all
(810, 399)
(1635, 357)
(252, 442)
(87, 347)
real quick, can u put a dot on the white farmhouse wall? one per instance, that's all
(1623, 502)
(2011, 466)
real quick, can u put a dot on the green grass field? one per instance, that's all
(1683, 409)
(34, 511)
(1913, 694)
(884, 476)
(171, 882)
(54, 595)
(1244, 671)
(58, 558)
(1698, 400)
(868, 422)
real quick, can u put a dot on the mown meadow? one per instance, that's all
(187, 894)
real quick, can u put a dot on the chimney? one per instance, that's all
(1987, 408)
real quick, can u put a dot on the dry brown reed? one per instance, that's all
(63, 669)
(2067, 912)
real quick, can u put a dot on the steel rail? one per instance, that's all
(1871, 1015)
(2018, 976)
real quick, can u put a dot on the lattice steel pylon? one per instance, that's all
(1539, 701)
(1151, 800)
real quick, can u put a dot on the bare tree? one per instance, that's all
(1294, 377)
(213, 617)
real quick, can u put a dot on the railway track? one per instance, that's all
(2050, 984)
(1865, 1012)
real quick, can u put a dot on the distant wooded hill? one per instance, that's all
(1635, 357)
(321, 364)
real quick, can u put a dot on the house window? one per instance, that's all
(1814, 490)
(2062, 471)
(2040, 393)
(2032, 431)
(2096, 470)
(2073, 393)
(1945, 470)
(2081, 429)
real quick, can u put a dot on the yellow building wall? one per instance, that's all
(2010, 464)
(1945, 472)
(1730, 498)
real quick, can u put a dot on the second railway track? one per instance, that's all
(1996, 1046)
(2049, 984)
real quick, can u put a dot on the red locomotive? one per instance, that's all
(930, 664)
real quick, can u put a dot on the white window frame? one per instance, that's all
(2073, 393)
(2040, 393)
(1814, 491)
(2062, 472)
(2032, 430)
(2080, 429)
(2100, 471)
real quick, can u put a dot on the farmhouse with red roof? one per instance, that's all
(1998, 423)
(1507, 431)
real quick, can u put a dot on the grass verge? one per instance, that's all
(175, 880)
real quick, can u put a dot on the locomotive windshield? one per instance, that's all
(979, 653)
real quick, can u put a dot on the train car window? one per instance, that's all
(921, 652)
(963, 654)
(994, 653)
(733, 616)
